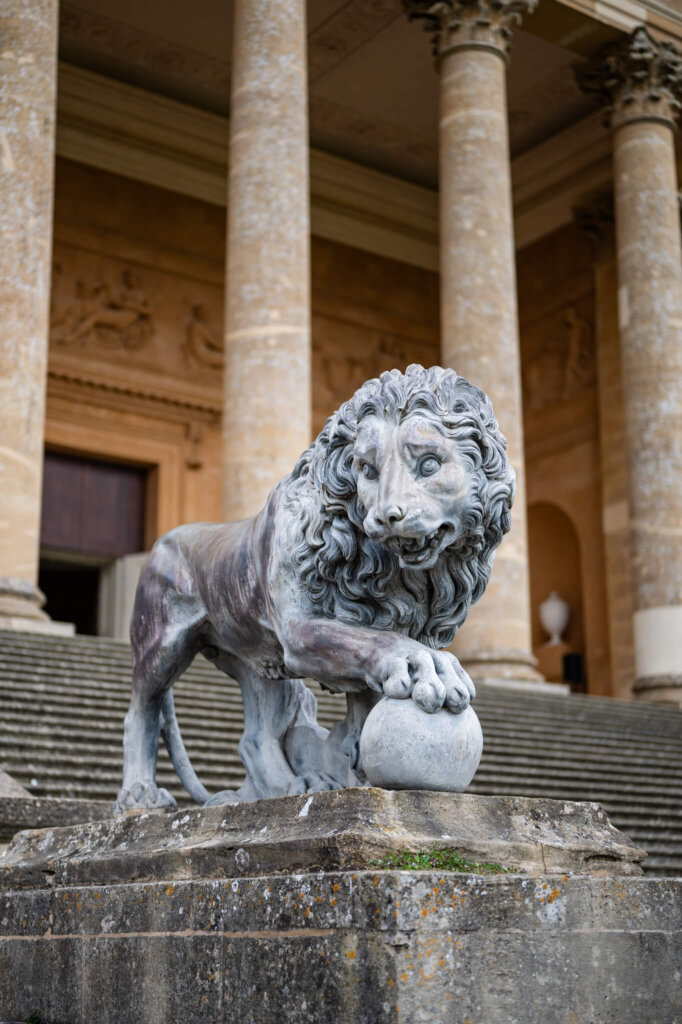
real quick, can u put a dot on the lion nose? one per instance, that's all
(390, 516)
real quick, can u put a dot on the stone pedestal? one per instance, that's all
(268, 406)
(279, 912)
(28, 67)
(479, 320)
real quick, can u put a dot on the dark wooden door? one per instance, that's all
(93, 508)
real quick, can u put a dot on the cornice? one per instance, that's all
(626, 15)
(183, 403)
(119, 128)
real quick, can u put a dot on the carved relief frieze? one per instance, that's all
(204, 342)
(346, 353)
(564, 367)
(117, 315)
(83, 32)
(139, 330)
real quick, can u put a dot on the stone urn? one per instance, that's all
(554, 616)
(403, 747)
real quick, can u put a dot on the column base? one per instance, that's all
(665, 689)
(21, 609)
(507, 667)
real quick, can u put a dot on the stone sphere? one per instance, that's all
(403, 747)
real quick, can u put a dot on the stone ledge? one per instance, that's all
(9, 787)
(22, 812)
(348, 829)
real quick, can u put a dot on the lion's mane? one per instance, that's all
(354, 579)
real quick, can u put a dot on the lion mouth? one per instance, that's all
(421, 552)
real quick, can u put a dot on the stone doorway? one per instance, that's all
(93, 514)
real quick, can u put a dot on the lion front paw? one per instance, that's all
(144, 796)
(432, 678)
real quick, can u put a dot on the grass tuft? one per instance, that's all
(439, 860)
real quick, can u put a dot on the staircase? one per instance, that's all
(63, 700)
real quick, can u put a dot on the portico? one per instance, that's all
(330, 277)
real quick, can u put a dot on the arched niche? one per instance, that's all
(554, 555)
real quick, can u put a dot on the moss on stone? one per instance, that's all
(439, 860)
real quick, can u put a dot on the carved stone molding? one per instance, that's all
(595, 216)
(639, 80)
(457, 24)
(131, 396)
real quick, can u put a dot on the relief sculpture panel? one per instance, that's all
(564, 366)
(154, 329)
(118, 316)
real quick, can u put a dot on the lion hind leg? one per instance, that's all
(270, 708)
(161, 653)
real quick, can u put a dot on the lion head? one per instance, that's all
(406, 494)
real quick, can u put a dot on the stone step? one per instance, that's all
(81, 706)
(54, 735)
(62, 703)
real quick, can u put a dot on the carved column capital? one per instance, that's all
(640, 79)
(460, 24)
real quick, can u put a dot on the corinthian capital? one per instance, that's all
(640, 80)
(456, 24)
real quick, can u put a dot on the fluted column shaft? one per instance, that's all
(267, 389)
(479, 320)
(642, 82)
(28, 68)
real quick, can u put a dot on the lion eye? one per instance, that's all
(429, 465)
(368, 471)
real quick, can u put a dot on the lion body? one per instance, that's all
(281, 595)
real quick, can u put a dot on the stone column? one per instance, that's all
(479, 321)
(642, 82)
(28, 69)
(267, 409)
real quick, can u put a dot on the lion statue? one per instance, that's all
(360, 568)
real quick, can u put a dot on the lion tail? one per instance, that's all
(170, 732)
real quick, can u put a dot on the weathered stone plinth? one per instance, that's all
(154, 918)
(332, 831)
